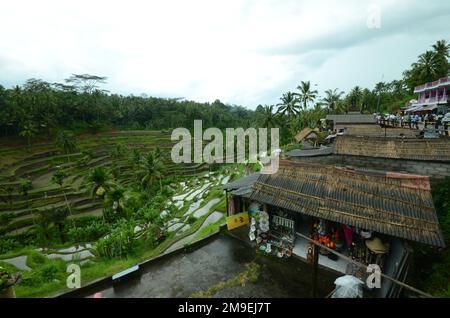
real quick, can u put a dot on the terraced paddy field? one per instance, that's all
(39, 162)
(192, 206)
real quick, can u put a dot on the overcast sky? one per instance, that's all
(241, 52)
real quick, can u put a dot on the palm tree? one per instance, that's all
(99, 179)
(58, 178)
(157, 153)
(8, 191)
(57, 216)
(28, 130)
(135, 157)
(289, 105)
(115, 198)
(427, 66)
(442, 48)
(355, 97)
(331, 99)
(306, 94)
(24, 187)
(150, 170)
(43, 227)
(66, 142)
(269, 117)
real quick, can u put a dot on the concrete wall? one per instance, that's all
(435, 170)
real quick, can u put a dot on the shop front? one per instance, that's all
(359, 217)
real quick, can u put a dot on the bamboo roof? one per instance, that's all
(306, 132)
(378, 131)
(352, 119)
(398, 205)
(405, 148)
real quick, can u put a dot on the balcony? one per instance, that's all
(432, 85)
(432, 100)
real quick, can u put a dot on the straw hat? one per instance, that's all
(376, 246)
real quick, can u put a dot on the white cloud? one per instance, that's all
(242, 52)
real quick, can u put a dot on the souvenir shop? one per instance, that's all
(274, 231)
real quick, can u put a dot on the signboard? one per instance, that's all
(237, 220)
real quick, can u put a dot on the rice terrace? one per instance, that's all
(227, 151)
(38, 199)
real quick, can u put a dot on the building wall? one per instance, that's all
(435, 170)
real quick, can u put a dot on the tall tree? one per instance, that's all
(58, 177)
(150, 170)
(305, 94)
(24, 187)
(355, 98)
(66, 142)
(28, 130)
(269, 117)
(331, 99)
(289, 105)
(99, 180)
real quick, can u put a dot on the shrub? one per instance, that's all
(35, 259)
(87, 233)
(121, 242)
(7, 245)
(191, 219)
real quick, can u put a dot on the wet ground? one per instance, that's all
(223, 258)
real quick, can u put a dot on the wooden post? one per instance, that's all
(316, 249)
(228, 207)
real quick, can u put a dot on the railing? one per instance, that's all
(444, 128)
(444, 80)
(432, 100)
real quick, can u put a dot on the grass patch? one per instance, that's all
(251, 274)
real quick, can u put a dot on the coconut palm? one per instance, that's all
(99, 180)
(58, 178)
(28, 130)
(135, 157)
(57, 216)
(43, 226)
(157, 153)
(289, 106)
(427, 66)
(331, 99)
(24, 187)
(269, 117)
(7, 190)
(355, 97)
(66, 142)
(115, 199)
(306, 95)
(150, 170)
(442, 48)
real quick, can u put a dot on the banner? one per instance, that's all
(237, 220)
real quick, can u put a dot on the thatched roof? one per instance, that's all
(305, 133)
(394, 204)
(378, 131)
(352, 119)
(322, 151)
(406, 148)
(243, 182)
